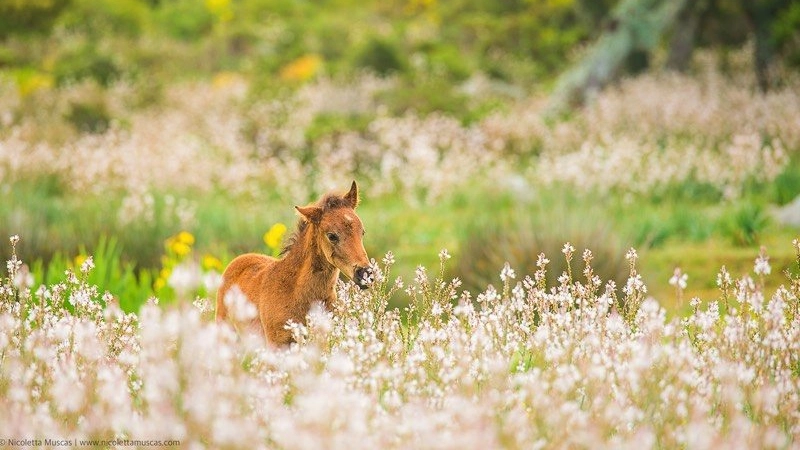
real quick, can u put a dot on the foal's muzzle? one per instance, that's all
(363, 277)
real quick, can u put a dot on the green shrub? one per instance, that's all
(688, 191)
(745, 225)
(787, 185)
(520, 241)
(131, 289)
(185, 19)
(50, 219)
(382, 56)
(448, 60)
(648, 230)
(688, 222)
(103, 18)
(28, 16)
(330, 123)
(653, 224)
(86, 62)
(89, 116)
(426, 94)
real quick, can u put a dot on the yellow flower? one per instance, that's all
(222, 80)
(302, 68)
(159, 284)
(164, 273)
(221, 9)
(78, 261)
(180, 249)
(186, 237)
(180, 245)
(274, 236)
(29, 82)
(211, 262)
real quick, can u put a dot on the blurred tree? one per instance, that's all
(541, 32)
(761, 15)
(637, 26)
(786, 34)
(684, 35)
(635, 29)
(771, 24)
(185, 19)
(29, 16)
(104, 18)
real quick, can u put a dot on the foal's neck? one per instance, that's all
(308, 265)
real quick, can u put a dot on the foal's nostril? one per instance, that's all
(363, 277)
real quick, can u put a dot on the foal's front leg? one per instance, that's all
(275, 333)
(330, 302)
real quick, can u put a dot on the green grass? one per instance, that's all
(131, 288)
(702, 262)
(695, 234)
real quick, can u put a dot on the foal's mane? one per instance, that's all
(327, 203)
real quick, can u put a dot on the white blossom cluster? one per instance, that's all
(519, 366)
(650, 132)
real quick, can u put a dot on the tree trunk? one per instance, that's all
(760, 15)
(682, 44)
(762, 58)
(638, 27)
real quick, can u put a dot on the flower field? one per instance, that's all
(519, 366)
(581, 219)
(116, 342)
(650, 132)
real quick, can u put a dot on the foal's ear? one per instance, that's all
(352, 197)
(311, 213)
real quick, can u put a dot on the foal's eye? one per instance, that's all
(333, 237)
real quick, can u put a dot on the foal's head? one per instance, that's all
(338, 233)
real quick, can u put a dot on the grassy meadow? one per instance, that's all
(612, 275)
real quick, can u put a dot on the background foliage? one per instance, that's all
(126, 122)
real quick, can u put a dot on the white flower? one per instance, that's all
(420, 275)
(724, 277)
(320, 318)
(388, 259)
(762, 266)
(631, 255)
(13, 265)
(240, 308)
(68, 392)
(542, 261)
(679, 279)
(23, 278)
(202, 305)
(185, 277)
(635, 284)
(87, 265)
(212, 281)
(507, 273)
